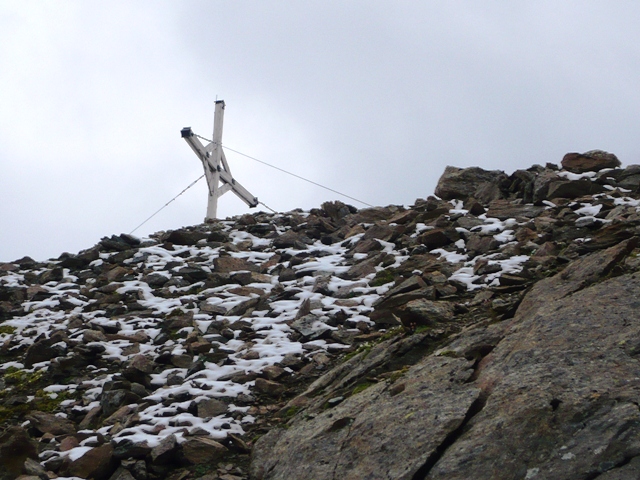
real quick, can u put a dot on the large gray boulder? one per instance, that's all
(551, 393)
(462, 183)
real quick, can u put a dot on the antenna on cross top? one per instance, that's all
(215, 165)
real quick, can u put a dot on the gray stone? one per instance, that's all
(202, 450)
(185, 237)
(211, 408)
(460, 183)
(268, 387)
(426, 312)
(311, 327)
(435, 238)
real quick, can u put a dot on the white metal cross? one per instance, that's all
(215, 165)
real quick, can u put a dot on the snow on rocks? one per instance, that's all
(148, 344)
(140, 338)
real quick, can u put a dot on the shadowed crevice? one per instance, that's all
(620, 464)
(475, 408)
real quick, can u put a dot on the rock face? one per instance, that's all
(487, 334)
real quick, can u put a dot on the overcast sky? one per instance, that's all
(371, 98)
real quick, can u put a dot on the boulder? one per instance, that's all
(269, 387)
(425, 312)
(573, 189)
(211, 407)
(97, 463)
(461, 183)
(185, 237)
(196, 451)
(232, 264)
(591, 161)
(165, 452)
(50, 423)
(291, 239)
(436, 238)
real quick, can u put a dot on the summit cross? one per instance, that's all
(216, 168)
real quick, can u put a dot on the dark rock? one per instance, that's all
(291, 239)
(15, 449)
(122, 474)
(336, 210)
(97, 463)
(165, 452)
(68, 443)
(573, 189)
(79, 261)
(368, 245)
(379, 232)
(139, 369)
(111, 400)
(155, 279)
(185, 237)
(580, 407)
(119, 243)
(435, 238)
(399, 299)
(34, 469)
(504, 209)
(481, 244)
(426, 312)
(43, 350)
(50, 423)
(129, 449)
(629, 178)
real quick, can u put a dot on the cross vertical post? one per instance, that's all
(215, 165)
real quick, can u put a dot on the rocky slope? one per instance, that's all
(489, 332)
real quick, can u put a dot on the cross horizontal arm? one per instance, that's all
(225, 176)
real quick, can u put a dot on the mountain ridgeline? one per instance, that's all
(490, 331)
